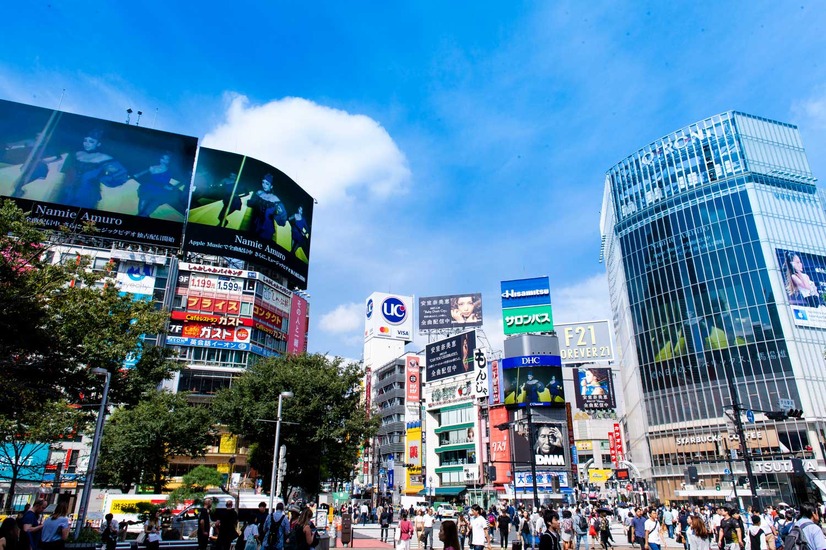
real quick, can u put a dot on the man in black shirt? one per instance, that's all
(731, 536)
(204, 521)
(226, 519)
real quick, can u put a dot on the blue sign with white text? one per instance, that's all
(526, 292)
(532, 361)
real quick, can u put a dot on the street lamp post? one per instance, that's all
(93, 457)
(281, 396)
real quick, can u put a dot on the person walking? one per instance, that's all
(204, 521)
(479, 535)
(276, 529)
(463, 527)
(405, 531)
(503, 521)
(580, 528)
(31, 526)
(384, 520)
(56, 528)
(427, 524)
(653, 531)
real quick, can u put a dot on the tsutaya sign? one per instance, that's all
(782, 466)
(679, 142)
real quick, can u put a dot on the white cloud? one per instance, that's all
(585, 301)
(346, 318)
(333, 154)
(812, 110)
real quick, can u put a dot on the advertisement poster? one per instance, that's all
(297, 341)
(804, 279)
(549, 442)
(481, 377)
(246, 209)
(594, 389)
(131, 182)
(446, 312)
(450, 356)
(413, 384)
(500, 444)
(536, 386)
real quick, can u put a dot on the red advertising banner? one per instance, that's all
(211, 332)
(297, 341)
(212, 319)
(613, 448)
(618, 442)
(500, 444)
(414, 383)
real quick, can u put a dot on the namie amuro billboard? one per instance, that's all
(246, 209)
(131, 182)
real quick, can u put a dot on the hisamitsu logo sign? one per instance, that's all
(526, 292)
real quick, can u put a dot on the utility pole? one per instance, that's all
(737, 408)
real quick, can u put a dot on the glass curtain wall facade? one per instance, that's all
(710, 235)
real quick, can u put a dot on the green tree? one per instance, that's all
(139, 441)
(194, 485)
(330, 420)
(59, 319)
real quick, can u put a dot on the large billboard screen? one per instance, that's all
(585, 342)
(246, 209)
(537, 383)
(450, 356)
(594, 389)
(131, 182)
(804, 278)
(448, 312)
(548, 448)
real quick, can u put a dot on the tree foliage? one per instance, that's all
(58, 320)
(330, 419)
(139, 441)
(61, 318)
(194, 484)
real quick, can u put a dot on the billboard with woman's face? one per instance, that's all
(244, 208)
(131, 182)
(594, 389)
(804, 278)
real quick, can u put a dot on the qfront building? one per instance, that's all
(714, 239)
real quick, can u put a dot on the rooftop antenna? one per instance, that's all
(128, 115)
(138, 122)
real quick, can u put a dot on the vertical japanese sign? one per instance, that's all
(297, 342)
(500, 444)
(413, 379)
(480, 373)
(618, 442)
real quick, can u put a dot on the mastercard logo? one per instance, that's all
(384, 330)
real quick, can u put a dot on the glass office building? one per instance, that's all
(714, 238)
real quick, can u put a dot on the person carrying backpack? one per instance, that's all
(276, 529)
(761, 537)
(806, 533)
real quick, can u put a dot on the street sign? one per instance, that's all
(727, 472)
(750, 416)
(785, 404)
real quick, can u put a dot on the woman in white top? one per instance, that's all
(699, 538)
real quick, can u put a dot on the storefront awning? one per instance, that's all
(444, 491)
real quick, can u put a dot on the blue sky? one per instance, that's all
(450, 144)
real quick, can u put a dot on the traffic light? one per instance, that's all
(776, 415)
(794, 413)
